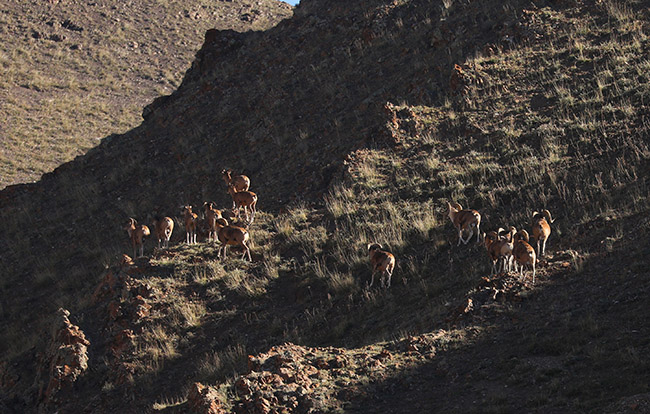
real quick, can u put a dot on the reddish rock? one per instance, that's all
(142, 308)
(204, 400)
(65, 359)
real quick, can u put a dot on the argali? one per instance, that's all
(524, 253)
(465, 220)
(232, 236)
(163, 228)
(541, 225)
(382, 262)
(246, 199)
(190, 224)
(137, 233)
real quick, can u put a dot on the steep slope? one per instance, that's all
(545, 108)
(75, 71)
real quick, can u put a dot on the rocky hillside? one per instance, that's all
(75, 71)
(356, 121)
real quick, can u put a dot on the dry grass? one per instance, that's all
(59, 98)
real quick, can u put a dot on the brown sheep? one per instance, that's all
(211, 216)
(137, 235)
(246, 199)
(241, 182)
(232, 236)
(524, 253)
(382, 262)
(163, 228)
(465, 220)
(541, 229)
(190, 224)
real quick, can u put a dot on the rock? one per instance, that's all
(65, 359)
(204, 400)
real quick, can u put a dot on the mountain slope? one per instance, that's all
(356, 123)
(75, 71)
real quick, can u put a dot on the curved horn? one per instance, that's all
(547, 214)
(524, 235)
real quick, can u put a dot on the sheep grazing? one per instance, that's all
(246, 199)
(541, 224)
(211, 216)
(524, 253)
(163, 228)
(240, 182)
(382, 262)
(465, 220)
(190, 224)
(137, 233)
(232, 236)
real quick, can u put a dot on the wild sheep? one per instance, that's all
(211, 216)
(524, 253)
(246, 199)
(231, 236)
(241, 182)
(163, 228)
(137, 235)
(489, 239)
(541, 229)
(465, 220)
(499, 245)
(382, 262)
(190, 224)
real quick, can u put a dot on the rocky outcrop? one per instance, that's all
(65, 359)
(203, 400)
(126, 304)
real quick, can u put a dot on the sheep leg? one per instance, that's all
(372, 280)
(471, 233)
(544, 247)
(247, 252)
(533, 273)
(390, 276)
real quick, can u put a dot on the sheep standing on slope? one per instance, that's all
(489, 239)
(246, 199)
(382, 262)
(524, 253)
(211, 216)
(232, 236)
(164, 228)
(190, 224)
(240, 182)
(541, 229)
(137, 235)
(465, 220)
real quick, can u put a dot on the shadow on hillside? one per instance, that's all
(576, 345)
(301, 123)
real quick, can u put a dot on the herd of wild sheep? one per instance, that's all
(218, 227)
(506, 248)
